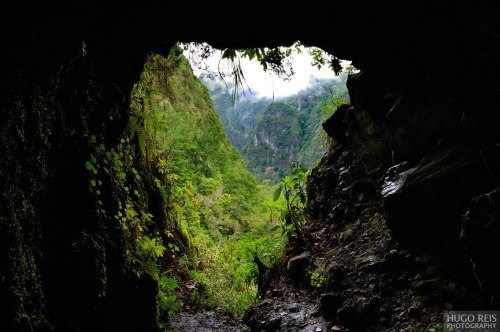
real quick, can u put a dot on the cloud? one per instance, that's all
(266, 83)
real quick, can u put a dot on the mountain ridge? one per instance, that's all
(258, 125)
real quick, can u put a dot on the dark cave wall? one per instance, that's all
(428, 94)
(62, 266)
(423, 130)
(424, 125)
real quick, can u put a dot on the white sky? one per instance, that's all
(264, 83)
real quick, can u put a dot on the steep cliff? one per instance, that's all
(257, 126)
(402, 221)
(403, 207)
(275, 142)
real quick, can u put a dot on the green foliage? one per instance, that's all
(320, 58)
(126, 177)
(330, 106)
(212, 199)
(168, 304)
(231, 271)
(272, 134)
(169, 284)
(167, 300)
(151, 247)
(318, 277)
(182, 196)
(292, 188)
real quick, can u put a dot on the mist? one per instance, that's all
(260, 83)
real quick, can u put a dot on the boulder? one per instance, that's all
(296, 267)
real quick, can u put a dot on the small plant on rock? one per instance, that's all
(292, 187)
(318, 277)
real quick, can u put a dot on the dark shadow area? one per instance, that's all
(403, 207)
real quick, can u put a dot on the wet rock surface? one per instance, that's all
(481, 228)
(204, 321)
(290, 313)
(297, 265)
(361, 274)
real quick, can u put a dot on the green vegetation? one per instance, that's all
(273, 134)
(195, 219)
(292, 188)
(125, 172)
(272, 154)
(214, 202)
(318, 277)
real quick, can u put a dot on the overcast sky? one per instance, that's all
(264, 83)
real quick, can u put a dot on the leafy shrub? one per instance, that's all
(292, 188)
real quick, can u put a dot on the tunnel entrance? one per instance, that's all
(403, 210)
(233, 166)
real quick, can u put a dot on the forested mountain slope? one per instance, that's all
(271, 134)
(216, 201)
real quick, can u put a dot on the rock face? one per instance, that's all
(404, 205)
(62, 267)
(276, 142)
(395, 245)
(297, 265)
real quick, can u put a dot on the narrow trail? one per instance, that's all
(290, 315)
(204, 321)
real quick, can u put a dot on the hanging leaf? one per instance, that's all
(229, 53)
(335, 65)
(277, 193)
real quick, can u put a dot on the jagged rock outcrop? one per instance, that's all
(67, 70)
(403, 206)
